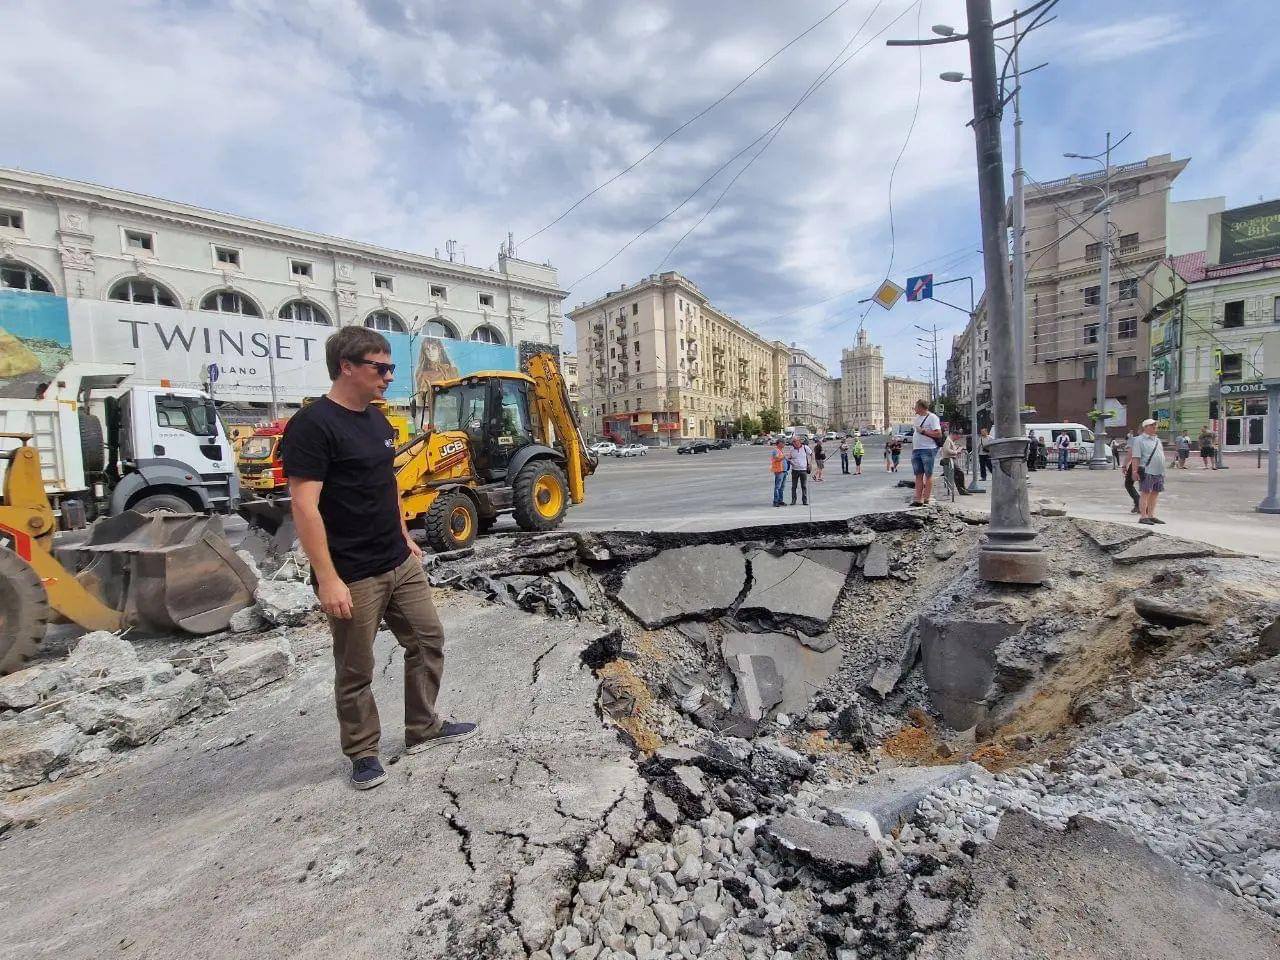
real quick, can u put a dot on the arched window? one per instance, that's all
(304, 311)
(440, 327)
(486, 335)
(141, 290)
(384, 320)
(230, 301)
(18, 276)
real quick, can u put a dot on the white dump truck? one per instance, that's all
(111, 446)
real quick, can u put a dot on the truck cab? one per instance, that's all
(259, 463)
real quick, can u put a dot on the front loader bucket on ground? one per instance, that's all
(164, 571)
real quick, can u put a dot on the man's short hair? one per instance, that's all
(352, 343)
(922, 403)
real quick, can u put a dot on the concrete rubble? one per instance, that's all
(820, 740)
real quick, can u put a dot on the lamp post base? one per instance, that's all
(1000, 564)
(1104, 464)
(1009, 553)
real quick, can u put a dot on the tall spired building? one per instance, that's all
(862, 385)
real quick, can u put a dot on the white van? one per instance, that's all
(1080, 448)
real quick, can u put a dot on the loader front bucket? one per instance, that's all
(164, 571)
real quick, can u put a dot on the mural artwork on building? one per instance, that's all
(35, 341)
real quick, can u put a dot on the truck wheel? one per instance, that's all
(92, 451)
(163, 503)
(451, 522)
(540, 496)
(24, 611)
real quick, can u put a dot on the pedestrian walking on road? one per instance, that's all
(984, 452)
(951, 453)
(858, 453)
(1206, 449)
(895, 452)
(1033, 450)
(339, 453)
(844, 454)
(819, 461)
(1148, 452)
(1117, 448)
(1131, 482)
(1184, 449)
(798, 458)
(779, 465)
(924, 447)
(1063, 443)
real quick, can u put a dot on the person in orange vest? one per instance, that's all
(779, 465)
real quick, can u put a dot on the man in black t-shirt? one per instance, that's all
(339, 454)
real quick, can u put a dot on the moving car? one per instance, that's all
(632, 450)
(604, 448)
(724, 443)
(694, 446)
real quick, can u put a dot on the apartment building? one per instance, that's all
(1064, 250)
(862, 385)
(658, 361)
(569, 370)
(808, 387)
(960, 383)
(835, 403)
(900, 397)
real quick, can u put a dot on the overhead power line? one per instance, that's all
(694, 119)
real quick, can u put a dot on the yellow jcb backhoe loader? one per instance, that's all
(157, 572)
(493, 442)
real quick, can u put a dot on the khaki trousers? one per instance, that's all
(401, 597)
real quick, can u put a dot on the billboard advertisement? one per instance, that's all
(40, 332)
(1248, 233)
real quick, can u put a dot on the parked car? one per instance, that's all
(723, 443)
(694, 446)
(633, 450)
(1080, 441)
(758, 441)
(605, 448)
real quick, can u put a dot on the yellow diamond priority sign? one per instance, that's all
(888, 294)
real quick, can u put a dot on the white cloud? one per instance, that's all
(1118, 41)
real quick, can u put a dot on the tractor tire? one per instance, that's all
(92, 451)
(24, 611)
(163, 503)
(451, 522)
(540, 496)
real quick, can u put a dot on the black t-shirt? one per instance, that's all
(353, 453)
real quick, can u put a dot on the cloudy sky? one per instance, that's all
(411, 122)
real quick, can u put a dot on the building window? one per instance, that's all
(139, 241)
(637, 346)
(304, 311)
(301, 269)
(1126, 366)
(1090, 333)
(438, 292)
(440, 327)
(1091, 296)
(486, 335)
(138, 290)
(230, 301)
(1233, 314)
(384, 320)
(11, 219)
(637, 366)
(1127, 289)
(1093, 251)
(383, 282)
(18, 276)
(1091, 369)
(1232, 365)
(1127, 328)
(1128, 243)
(611, 353)
(1275, 311)
(635, 309)
(486, 299)
(226, 257)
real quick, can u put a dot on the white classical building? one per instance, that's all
(808, 390)
(85, 242)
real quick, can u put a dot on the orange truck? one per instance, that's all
(258, 462)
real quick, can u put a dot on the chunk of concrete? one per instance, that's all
(795, 589)
(1159, 547)
(890, 798)
(1172, 611)
(25, 688)
(1110, 537)
(138, 721)
(890, 672)
(841, 854)
(252, 666)
(701, 581)
(960, 666)
(28, 751)
(575, 588)
(285, 603)
(801, 670)
(102, 652)
(248, 620)
(875, 566)
(1269, 638)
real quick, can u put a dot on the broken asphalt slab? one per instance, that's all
(960, 666)
(697, 581)
(250, 848)
(889, 798)
(796, 589)
(775, 672)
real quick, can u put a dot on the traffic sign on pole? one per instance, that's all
(920, 288)
(888, 294)
(213, 373)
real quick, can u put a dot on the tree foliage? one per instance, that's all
(770, 420)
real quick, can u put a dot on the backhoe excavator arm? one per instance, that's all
(554, 408)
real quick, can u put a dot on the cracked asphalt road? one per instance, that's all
(263, 850)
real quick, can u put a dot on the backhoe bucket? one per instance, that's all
(164, 571)
(272, 534)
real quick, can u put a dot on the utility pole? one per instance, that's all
(1010, 553)
(1019, 232)
(932, 344)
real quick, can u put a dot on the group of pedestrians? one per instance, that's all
(801, 461)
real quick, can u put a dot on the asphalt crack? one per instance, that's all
(537, 663)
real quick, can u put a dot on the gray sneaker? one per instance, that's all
(451, 732)
(367, 773)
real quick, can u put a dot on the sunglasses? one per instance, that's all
(382, 368)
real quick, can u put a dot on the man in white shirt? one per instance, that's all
(924, 447)
(798, 456)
